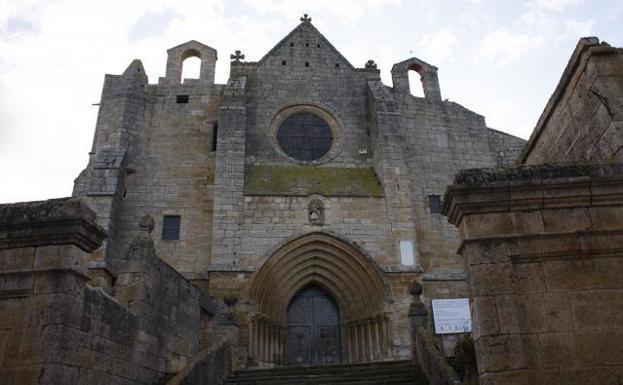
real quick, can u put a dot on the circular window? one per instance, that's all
(305, 136)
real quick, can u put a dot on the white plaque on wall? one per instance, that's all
(407, 256)
(452, 316)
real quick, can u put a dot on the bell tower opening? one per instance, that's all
(313, 328)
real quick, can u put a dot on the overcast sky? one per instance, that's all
(501, 59)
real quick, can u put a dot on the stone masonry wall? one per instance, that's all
(442, 138)
(543, 249)
(122, 114)
(583, 120)
(153, 155)
(313, 73)
(172, 173)
(56, 329)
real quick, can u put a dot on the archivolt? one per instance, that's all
(344, 271)
(323, 259)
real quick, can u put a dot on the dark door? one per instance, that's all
(313, 328)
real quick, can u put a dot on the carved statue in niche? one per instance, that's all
(315, 211)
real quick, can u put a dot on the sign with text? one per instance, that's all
(452, 316)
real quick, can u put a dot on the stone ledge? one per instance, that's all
(445, 276)
(528, 188)
(531, 248)
(52, 222)
(479, 176)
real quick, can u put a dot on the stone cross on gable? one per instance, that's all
(306, 19)
(237, 56)
(370, 64)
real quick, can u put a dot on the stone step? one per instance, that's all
(369, 366)
(373, 373)
(349, 375)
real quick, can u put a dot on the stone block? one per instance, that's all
(485, 317)
(608, 273)
(529, 222)
(529, 277)
(571, 274)
(580, 376)
(555, 350)
(504, 352)
(13, 312)
(483, 225)
(17, 259)
(606, 217)
(21, 375)
(565, 220)
(492, 251)
(520, 248)
(58, 374)
(508, 314)
(560, 246)
(60, 281)
(597, 309)
(491, 279)
(22, 347)
(61, 257)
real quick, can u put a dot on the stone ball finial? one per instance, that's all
(415, 288)
(146, 222)
(371, 64)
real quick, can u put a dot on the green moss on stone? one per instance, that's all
(303, 180)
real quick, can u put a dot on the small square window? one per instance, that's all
(171, 227)
(306, 44)
(283, 62)
(291, 44)
(435, 204)
(182, 99)
(306, 64)
(337, 65)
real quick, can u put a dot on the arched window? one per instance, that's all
(416, 87)
(191, 65)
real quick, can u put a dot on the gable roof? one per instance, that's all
(302, 25)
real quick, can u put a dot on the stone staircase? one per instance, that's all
(374, 373)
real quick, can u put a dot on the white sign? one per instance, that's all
(406, 253)
(452, 316)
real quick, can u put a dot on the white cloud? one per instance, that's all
(578, 28)
(504, 46)
(438, 46)
(54, 54)
(553, 5)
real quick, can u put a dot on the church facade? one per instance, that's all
(293, 217)
(304, 192)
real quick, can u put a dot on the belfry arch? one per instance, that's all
(343, 271)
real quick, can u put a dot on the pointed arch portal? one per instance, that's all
(328, 270)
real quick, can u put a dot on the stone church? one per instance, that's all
(291, 217)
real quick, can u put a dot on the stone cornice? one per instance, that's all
(524, 188)
(530, 248)
(52, 222)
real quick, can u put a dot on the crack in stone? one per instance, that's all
(603, 101)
